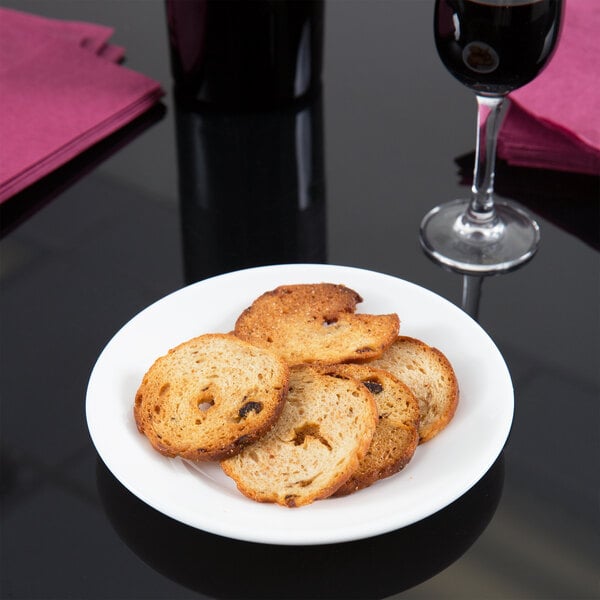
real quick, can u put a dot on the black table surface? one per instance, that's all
(181, 195)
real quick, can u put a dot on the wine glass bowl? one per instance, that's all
(493, 47)
(496, 46)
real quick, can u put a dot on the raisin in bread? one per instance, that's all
(430, 377)
(210, 396)
(310, 323)
(323, 433)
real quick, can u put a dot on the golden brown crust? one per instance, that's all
(316, 323)
(209, 397)
(396, 436)
(304, 400)
(324, 431)
(431, 378)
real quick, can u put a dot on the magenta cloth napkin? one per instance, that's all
(554, 122)
(61, 91)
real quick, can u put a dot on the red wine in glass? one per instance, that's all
(492, 47)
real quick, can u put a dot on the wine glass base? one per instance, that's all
(485, 249)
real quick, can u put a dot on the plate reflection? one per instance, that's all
(227, 568)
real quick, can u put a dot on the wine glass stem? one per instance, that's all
(490, 114)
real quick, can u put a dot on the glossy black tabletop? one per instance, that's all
(183, 194)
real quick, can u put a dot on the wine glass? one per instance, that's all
(492, 47)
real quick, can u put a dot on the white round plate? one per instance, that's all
(202, 496)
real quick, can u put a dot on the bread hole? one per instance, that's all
(206, 404)
(337, 375)
(329, 321)
(309, 430)
(363, 350)
(305, 482)
(157, 409)
(164, 389)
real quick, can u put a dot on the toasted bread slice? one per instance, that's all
(396, 436)
(431, 378)
(210, 396)
(316, 323)
(324, 431)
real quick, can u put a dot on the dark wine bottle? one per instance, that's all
(246, 53)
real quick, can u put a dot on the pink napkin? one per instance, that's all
(61, 91)
(554, 122)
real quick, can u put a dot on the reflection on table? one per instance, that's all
(226, 568)
(251, 187)
(23, 205)
(570, 201)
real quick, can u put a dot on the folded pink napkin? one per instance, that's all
(61, 91)
(554, 122)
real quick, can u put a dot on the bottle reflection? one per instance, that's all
(252, 187)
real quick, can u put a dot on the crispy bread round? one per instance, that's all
(324, 431)
(210, 396)
(396, 436)
(430, 377)
(316, 323)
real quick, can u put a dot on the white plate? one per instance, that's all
(203, 497)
